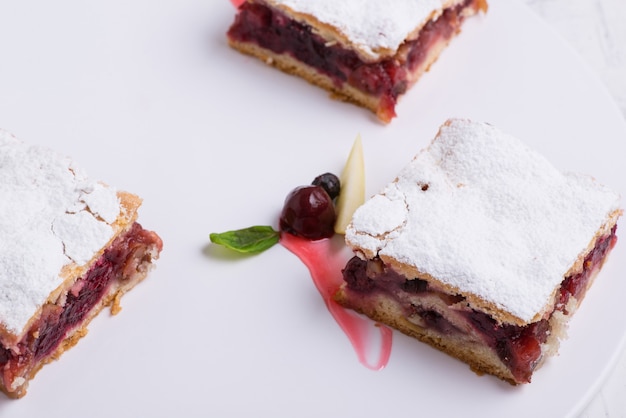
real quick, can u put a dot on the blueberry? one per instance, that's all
(329, 182)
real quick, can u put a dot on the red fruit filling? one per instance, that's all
(519, 347)
(386, 79)
(119, 262)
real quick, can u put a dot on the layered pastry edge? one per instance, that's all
(418, 300)
(59, 306)
(345, 61)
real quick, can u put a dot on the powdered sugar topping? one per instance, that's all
(483, 213)
(51, 215)
(372, 25)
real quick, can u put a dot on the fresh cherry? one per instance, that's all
(329, 182)
(308, 212)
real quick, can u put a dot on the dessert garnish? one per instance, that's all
(254, 239)
(352, 187)
(307, 226)
(314, 211)
(308, 212)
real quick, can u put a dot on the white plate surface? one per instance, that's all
(147, 96)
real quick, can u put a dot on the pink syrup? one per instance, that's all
(325, 259)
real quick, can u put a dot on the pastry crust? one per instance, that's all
(384, 67)
(480, 239)
(70, 273)
(81, 220)
(129, 205)
(372, 52)
(384, 310)
(111, 299)
(292, 66)
(481, 359)
(479, 206)
(480, 303)
(344, 92)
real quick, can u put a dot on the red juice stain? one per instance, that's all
(325, 259)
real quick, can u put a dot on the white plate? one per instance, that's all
(147, 96)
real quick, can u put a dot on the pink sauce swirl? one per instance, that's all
(325, 259)
(237, 3)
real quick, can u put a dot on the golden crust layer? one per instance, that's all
(112, 300)
(129, 204)
(386, 311)
(344, 91)
(290, 65)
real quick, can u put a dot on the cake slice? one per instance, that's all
(480, 248)
(68, 247)
(369, 52)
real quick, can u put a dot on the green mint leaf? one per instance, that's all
(254, 239)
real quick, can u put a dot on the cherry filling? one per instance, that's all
(386, 79)
(119, 262)
(575, 285)
(518, 347)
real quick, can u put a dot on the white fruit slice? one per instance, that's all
(352, 193)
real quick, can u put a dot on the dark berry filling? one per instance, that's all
(575, 285)
(386, 79)
(356, 277)
(436, 321)
(519, 347)
(119, 261)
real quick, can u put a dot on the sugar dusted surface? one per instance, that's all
(51, 215)
(496, 219)
(372, 25)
